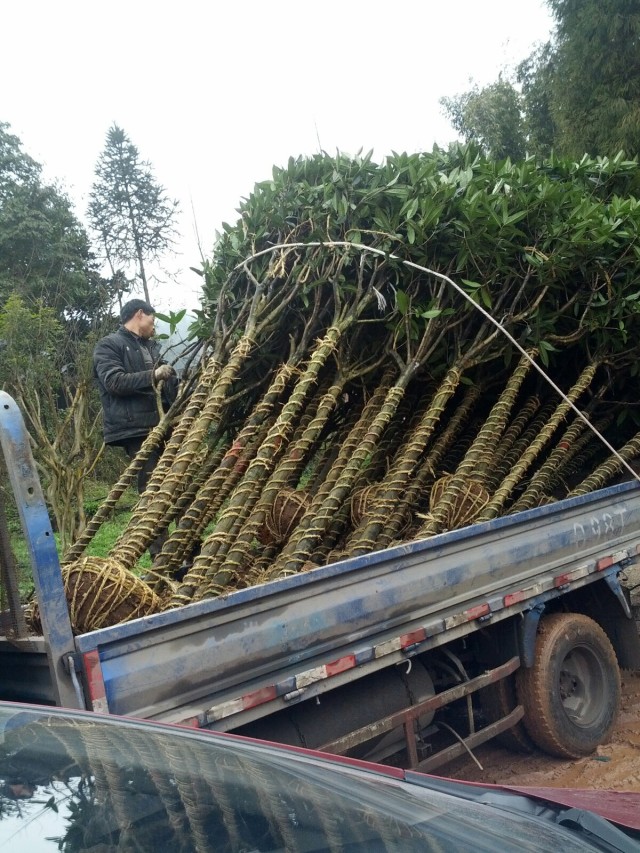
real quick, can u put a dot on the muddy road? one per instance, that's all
(615, 766)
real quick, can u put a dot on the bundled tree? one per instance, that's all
(130, 211)
(354, 309)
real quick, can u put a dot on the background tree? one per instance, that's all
(58, 401)
(593, 73)
(577, 94)
(129, 210)
(53, 304)
(535, 75)
(44, 251)
(490, 117)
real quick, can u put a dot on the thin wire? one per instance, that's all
(332, 244)
(455, 734)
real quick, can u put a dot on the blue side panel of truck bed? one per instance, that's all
(169, 664)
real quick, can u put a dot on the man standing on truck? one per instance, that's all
(128, 367)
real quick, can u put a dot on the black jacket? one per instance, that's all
(125, 383)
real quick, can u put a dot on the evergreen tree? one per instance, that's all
(130, 211)
(491, 118)
(44, 251)
(595, 76)
(579, 92)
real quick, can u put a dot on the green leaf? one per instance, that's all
(412, 208)
(402, 302)
(544, 356)
(546, 346)
(515, 217)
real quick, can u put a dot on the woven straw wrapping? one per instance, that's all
(288, 508)
(101, 593)
(362, 502)
(470, 500)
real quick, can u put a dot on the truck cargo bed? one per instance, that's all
(293, 638)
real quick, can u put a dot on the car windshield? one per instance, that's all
(81, 782)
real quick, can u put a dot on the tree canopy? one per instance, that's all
(577, 94)
(491, 117)
(44, 250)
(129, 210)
(361, 317)
(52, 304)
(595, 76)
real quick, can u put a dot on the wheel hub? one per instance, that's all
(568, 684)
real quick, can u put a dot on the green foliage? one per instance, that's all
(52, 304)
(594, 76)
(578, 93)
(534, 75)
(568, 230)
(490, 117)
(173, 319)
(57, 399)
(44, 251)
(130, 211)
(31, 342)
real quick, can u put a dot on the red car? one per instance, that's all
(76, 781)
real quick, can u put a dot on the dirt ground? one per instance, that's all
(615, 766)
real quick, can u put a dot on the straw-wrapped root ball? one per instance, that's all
(101, 593)
(465, 505)
(288, 508)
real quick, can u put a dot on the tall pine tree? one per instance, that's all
(130, 211)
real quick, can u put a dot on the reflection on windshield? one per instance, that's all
(86, 784)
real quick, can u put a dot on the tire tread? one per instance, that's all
(535, 693)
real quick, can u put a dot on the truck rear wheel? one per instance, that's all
(571, 695)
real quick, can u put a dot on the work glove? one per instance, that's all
(162, 373)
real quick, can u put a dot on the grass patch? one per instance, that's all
(100, 546)
(109, 533)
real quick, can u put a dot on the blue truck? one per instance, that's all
(515, 628)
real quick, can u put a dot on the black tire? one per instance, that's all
(497, 701)
(571, 695)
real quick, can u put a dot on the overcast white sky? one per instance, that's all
(215, 94)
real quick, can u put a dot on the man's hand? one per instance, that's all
(165, 371)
